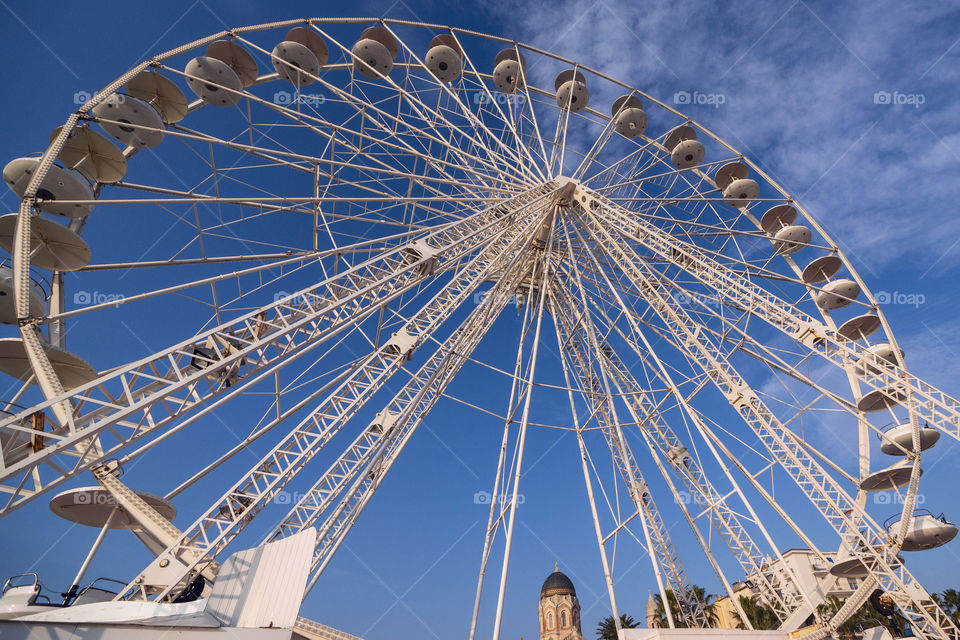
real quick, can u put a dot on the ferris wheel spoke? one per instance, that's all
(659, 434)
(514, 153)
(174, 289)
(540, 274)
(587, 481)
(444, 363)
(590, 157)
(620, 175)
(314, 502)
(500, 481)
(273, 416)
(339, 133)
(533, 164)
(197, 546)
(747, 344)
(212, 362)
(882, 378)
(364, 104)
(559, 145)
(645, 354)
(844, 514)
(375, 164)
(663, 553)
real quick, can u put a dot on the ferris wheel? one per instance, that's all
(294, 215)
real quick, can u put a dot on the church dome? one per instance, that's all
(557, 584)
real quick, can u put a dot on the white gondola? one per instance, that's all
(821, 269)
(888, 479)
(8, 308)
(859, 327)
(52, 245)
(374, 53)
(93, 506)
(791, 239)
(508, 69)
(740, 192)
(880, 399)
(777, 217)
(444, 59)
(898, 439)
(214, 81)
(876, 357)
(837, 294)
(295, 63)
(924, 531)
(72, 370)
(311, 40)
(301, 55)
(859, 567)
(728, 173)
(237, 58)
(687, 154)
(685, 150)
(571, 87)
(629, 118)
(60, 183)
(130, 121)
(93, 155)
(160, 93)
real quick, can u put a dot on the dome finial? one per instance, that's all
(556, 566)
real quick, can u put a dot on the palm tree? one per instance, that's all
(709, 602)
(761, 615)
(607, 628)
(949, 601)
(864, 617)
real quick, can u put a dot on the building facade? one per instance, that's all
(559, 609)
(811, 572)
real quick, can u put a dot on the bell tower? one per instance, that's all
(559, 608)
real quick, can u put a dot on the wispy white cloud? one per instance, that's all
(799, 81)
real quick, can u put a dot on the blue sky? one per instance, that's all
(800, 87)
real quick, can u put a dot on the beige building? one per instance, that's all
(810, 572)
(726, 614)
(559, 609)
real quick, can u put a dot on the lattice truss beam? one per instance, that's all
(844, 514)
